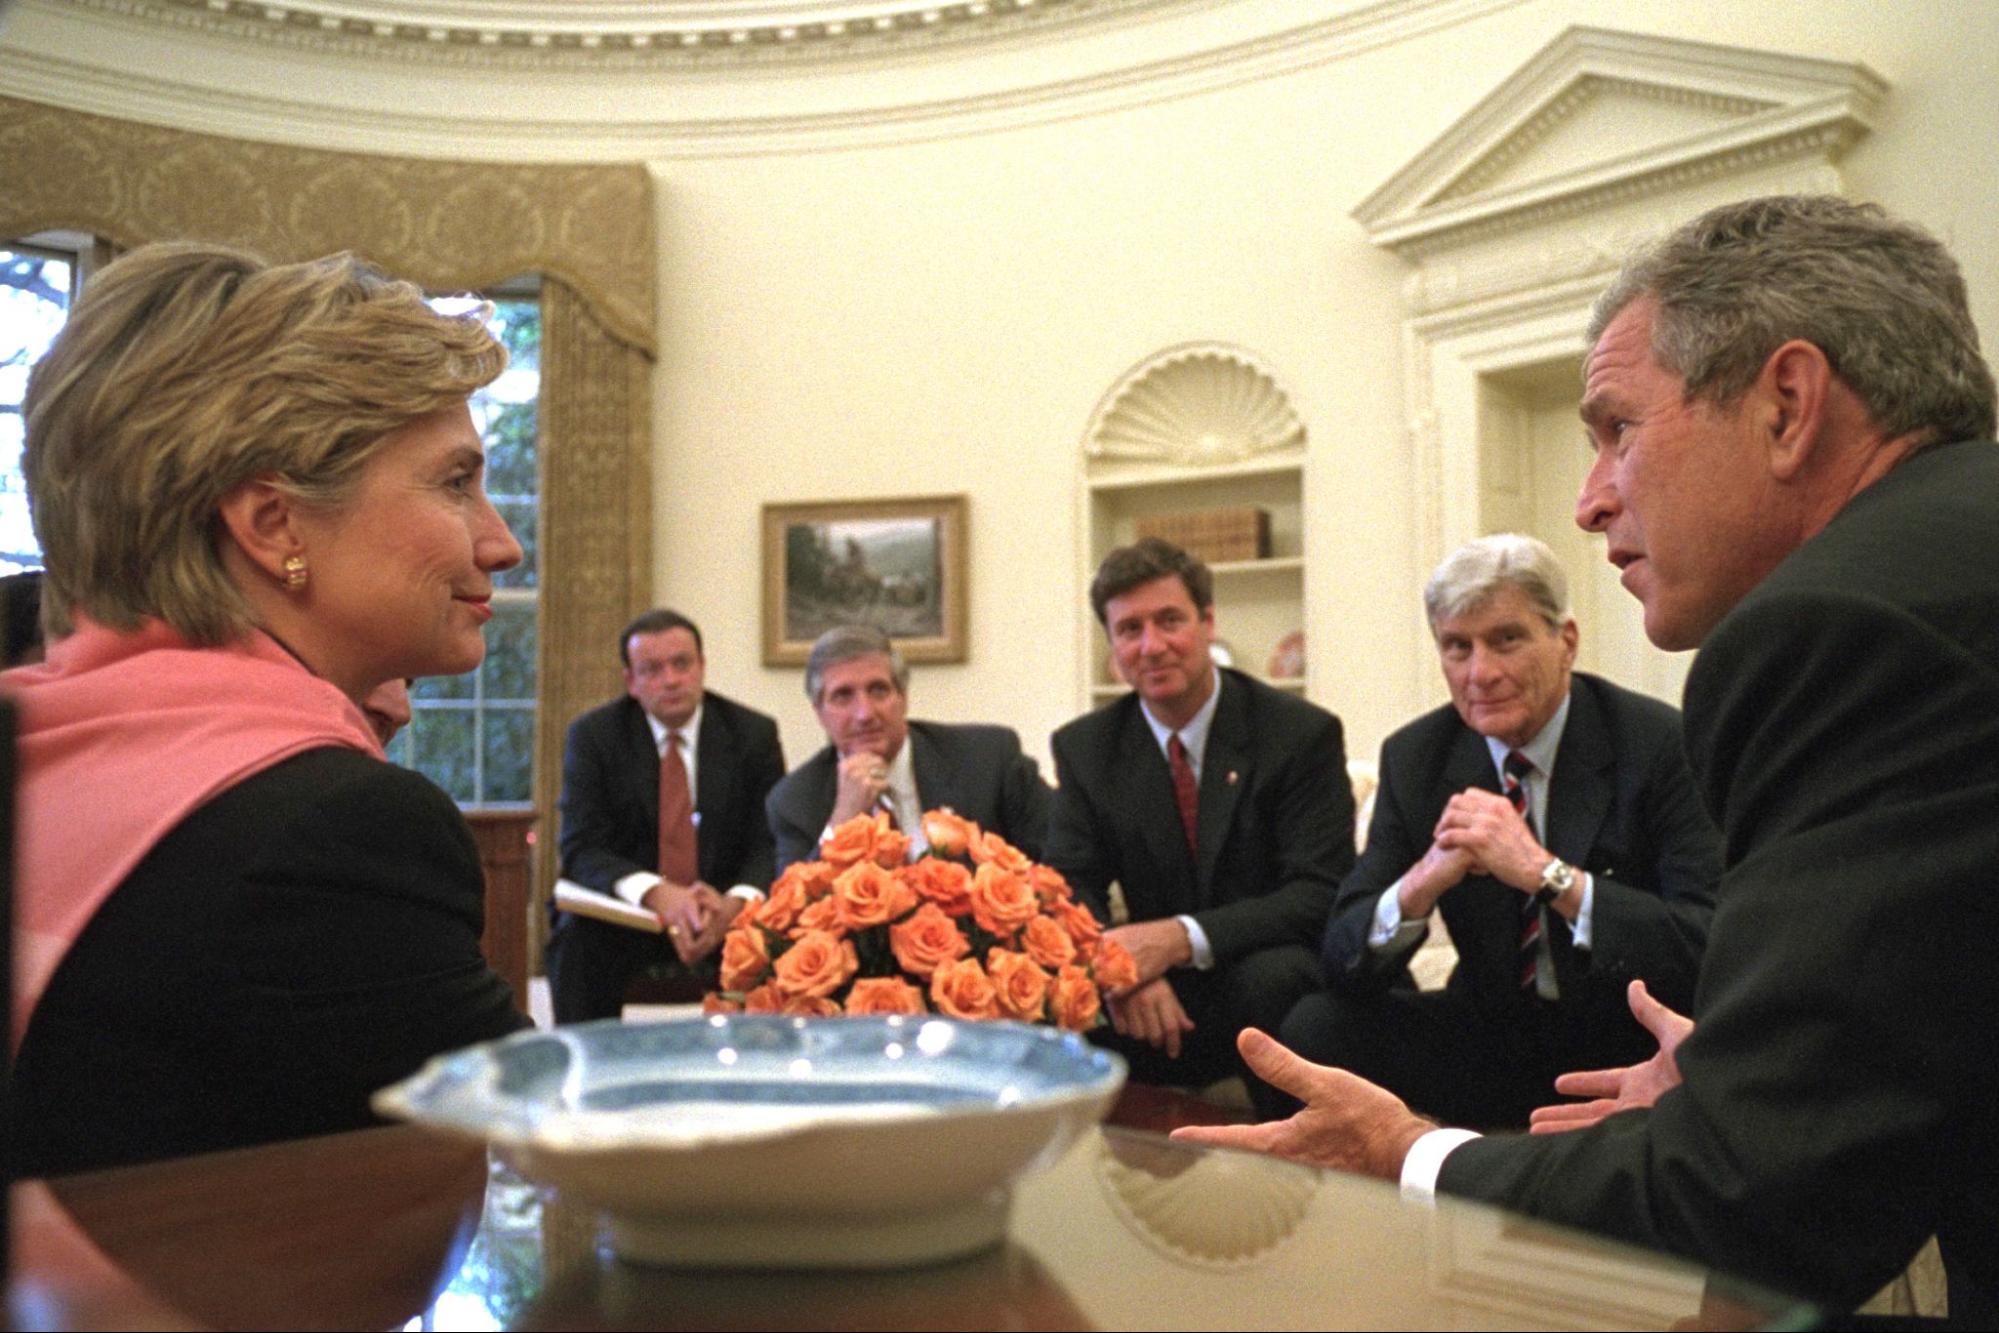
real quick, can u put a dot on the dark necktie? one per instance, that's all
(1517, 767)
(679, 862)
(885, 805)
(1186, 792)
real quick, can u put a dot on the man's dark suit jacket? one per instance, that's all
(1276, 824)
(977, 770)
(1840, 1085)
(1621, 805)
(303, 939)
(610, 794)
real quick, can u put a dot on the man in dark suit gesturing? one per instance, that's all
(1794, 470)
(1221, 807)
(1550, 816)
(662, 799)
(876, 758)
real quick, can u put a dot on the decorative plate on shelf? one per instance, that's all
(1287, 659)
(772, 1142)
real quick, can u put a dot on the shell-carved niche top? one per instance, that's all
(1194, 403)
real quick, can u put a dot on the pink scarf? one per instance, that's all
(122, 736)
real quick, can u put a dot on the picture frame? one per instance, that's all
(898, 564)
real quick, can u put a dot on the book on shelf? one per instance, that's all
(573, 897)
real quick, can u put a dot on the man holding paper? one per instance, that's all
(662, 800)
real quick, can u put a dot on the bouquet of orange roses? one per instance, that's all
(971, 930)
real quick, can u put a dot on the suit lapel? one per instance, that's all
(1579, 790)
(1157, 816)
(1224, 772)
(644, 761)
(934, 786)
(714, 780)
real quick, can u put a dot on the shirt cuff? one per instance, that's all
(1579, 929)
(1197, 942)
(1425, 1162)
(749, 893)
(634, 887)
(1391, 934)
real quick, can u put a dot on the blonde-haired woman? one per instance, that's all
(258, 492)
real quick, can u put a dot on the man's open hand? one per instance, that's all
(1348, 1124)
(1622, 1089)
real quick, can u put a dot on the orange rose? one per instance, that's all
(1049, 886)
(714, 1002)
(790, 894)
(891, 847)
(867, 896)
(945, 883)
(745, 958)
(1075, 1002)
(818, 964)
(765, 999)
(821, 914)
(852, 842)
(1114, 966)
(1022, 986)
(885, 995)
(1001, 901)
(992, 849)
(948, 832)
(810, 1006)
(1080, 922)
(926, 941)
(962, 990)
(1047, 943)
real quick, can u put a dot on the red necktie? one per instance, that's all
(678, 860)
(1517, 767)
(1186, 793)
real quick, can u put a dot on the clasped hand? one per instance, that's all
(1148, 1009)
(695, 916)
(1485, 827)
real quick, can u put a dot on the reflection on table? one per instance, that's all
(1126, 1230)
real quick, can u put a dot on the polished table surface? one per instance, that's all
(376, 1228)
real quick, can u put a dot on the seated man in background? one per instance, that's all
(1794, 469)
(876, 758)
(1222, 808)
(662, 799)
(1550, 816)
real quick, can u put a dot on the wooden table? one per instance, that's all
(371, 1229)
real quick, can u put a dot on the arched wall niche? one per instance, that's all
(1517, 217)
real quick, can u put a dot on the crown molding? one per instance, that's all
(640, 35)
(57, 79)
(1764, 107)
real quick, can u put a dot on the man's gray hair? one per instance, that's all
(1881, 298)
(844, 643)
(1480, 568)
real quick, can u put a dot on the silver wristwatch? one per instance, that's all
(1557, 878)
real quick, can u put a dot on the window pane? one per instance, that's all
(510, 456)
(510, 646)
(34, 301)
(443, 687)
(509, 747)
(441, 748)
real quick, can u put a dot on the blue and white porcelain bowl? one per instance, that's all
(777, 1142)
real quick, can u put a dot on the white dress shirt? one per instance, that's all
(1193, 739)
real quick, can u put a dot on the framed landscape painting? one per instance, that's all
(896, 564)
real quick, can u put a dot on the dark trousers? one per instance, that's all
(1256, 990)
(1465, 1059)
(590, 964)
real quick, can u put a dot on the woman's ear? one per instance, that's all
(260, 519)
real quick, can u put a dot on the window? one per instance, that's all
(39, 280)
(473, 735)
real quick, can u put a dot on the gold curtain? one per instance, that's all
(447, 225)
